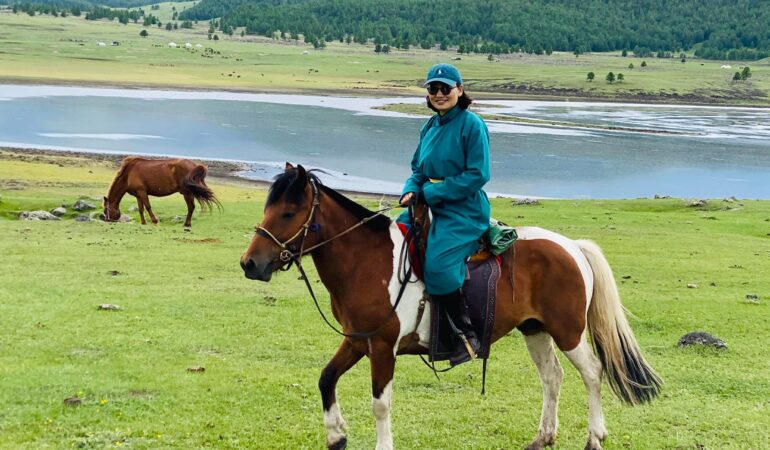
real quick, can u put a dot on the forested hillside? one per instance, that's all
(718, 29)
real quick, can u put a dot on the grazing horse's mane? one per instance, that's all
(123, 167)
(120, 173)
(287, 184)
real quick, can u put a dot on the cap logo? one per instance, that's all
(440, 72)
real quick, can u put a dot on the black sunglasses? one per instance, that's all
(445, 89)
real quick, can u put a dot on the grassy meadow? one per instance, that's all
(186, 304)
(45, 49)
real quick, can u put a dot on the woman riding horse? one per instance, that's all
(558, 292)
(449, 169)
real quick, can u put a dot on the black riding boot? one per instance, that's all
(457, 312)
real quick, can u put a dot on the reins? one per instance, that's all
(414, 235)
(289, 257)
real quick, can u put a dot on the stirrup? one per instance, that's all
(468, 346)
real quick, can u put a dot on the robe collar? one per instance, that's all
(451, 114)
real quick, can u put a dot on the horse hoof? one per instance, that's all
(540, 443)
(339, 445)
(593, 445)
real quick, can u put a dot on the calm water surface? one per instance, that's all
(724, 152)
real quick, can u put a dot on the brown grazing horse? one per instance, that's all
(142, 177)
(556, 291)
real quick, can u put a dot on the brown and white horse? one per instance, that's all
(556, 290)
(142, 177)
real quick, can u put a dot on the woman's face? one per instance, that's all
(441, 101)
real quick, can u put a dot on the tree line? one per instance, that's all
(722, 29)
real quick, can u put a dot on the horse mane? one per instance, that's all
(284, 184)
(121, 171)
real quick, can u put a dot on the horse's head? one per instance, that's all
(288, 211)
(111, 210)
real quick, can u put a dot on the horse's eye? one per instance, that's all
(288, 215)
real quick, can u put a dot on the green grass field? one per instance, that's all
(44, 49)
(186, 303)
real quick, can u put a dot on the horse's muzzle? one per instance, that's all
(254, 271)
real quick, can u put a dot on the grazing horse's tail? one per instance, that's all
(196, 184)
(629, 375)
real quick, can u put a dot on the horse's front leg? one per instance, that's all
(141, 210)
(143, 198)
(383, 362)
(345, 358)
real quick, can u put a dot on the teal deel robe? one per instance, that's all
(450, 167)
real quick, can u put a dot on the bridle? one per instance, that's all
(288, 255)
(108, 208)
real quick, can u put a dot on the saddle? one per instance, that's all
(480, 289)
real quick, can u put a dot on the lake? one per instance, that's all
(716, 151)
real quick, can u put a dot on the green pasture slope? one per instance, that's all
(186, 304)
(45, 49)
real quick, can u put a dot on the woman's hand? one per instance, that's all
(406, 199)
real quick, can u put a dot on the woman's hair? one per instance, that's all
(463, 102)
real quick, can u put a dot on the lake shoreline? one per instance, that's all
(376, 93)
(222, 171)
(363, 149)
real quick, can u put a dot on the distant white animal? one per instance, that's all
(172, 44)
(187, 45)
(198, 46)
(305, 52)
(726, 66)
(101, 44)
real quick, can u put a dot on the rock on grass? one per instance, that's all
(701, 338)
(37, 215)
(73, 401)
(108, 307)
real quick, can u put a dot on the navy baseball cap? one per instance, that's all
(444, 73)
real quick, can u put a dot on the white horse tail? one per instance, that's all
(630, 376)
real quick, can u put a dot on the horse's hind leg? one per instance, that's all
(345, 358)
(590, 369)
(190, 200)
(142, 196)
(540, 346)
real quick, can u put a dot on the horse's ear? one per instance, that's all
(106, 200)
(288, 167)
(301, 175)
